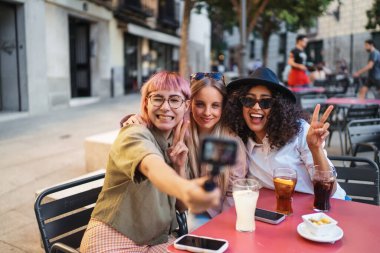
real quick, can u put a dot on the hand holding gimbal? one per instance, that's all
(218, 152)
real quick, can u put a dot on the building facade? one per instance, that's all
(56, 52)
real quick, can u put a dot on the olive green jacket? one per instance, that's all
(129, 202)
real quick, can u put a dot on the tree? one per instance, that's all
(183, 50)
(222, 8)
(294, 13)
(254, 10)
(373, 16)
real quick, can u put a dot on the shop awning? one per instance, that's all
(153, 35)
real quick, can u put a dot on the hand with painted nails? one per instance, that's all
(318, 130)
(178, 151)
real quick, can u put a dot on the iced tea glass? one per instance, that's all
(323, 182)
(245, 193)
(285, 180)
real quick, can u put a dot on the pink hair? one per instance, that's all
(163, 80)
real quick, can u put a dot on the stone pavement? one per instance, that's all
(39, 151)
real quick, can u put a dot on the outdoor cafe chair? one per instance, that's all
(309, 101)
(338, 88)
(357, 84)
(62, 222)
(342, 116)
(359, 177)
(363, 136)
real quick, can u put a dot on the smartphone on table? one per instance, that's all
(195, 243)
(267, 216)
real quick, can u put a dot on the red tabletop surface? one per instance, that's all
(351, 101)
(307, 89)
(359, 222)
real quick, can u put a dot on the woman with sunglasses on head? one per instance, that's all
(208, 99)
(264, 114)
(135, 211)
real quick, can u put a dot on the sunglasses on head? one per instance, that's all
(250, 102)
(217, 76)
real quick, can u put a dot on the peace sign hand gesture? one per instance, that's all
(318, 130)
(178, 151)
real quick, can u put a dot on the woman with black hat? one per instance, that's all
(264, 114)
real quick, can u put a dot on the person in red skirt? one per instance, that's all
(297, 61)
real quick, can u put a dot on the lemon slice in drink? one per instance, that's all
(283, 181)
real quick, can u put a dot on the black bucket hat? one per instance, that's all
(262, 76)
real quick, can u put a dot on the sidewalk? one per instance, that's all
(43, 150)
(39, 151)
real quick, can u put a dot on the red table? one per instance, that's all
(360, 223)
(351, 101)
(304, 90)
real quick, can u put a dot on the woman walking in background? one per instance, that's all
(297, 61)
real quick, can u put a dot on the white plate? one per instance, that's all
(335, 235)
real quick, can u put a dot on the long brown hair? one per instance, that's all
(194, 140)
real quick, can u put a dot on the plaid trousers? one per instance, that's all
(101, 238)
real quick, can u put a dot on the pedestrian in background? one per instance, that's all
(373, 68)
(319, 73)
(297, 60)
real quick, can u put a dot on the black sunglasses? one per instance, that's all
(250, 102)
(217, 76)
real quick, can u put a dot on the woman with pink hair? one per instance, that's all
(135, 211)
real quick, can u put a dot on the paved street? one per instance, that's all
(43, 150)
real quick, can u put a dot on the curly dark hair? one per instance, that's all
(283, 121)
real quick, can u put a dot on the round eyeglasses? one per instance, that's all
(174, 101)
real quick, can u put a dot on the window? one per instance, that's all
(252, 49)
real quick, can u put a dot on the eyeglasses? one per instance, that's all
(174, 101)
(217, 76)
(250, 102)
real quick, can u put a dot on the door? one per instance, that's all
(10, 99)
(80, 71)
(314, 51)
(131, 71)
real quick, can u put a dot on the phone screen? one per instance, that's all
(203, 243)
(268, 214)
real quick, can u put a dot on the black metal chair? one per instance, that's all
(363, 136)
(309, 101)
(343, 116)
(359, 177)
(338, 88)
(62, 222)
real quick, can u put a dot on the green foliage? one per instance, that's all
(294, 13)
(222, 11)
(373, 16)
(297, 13)
(223, 18)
